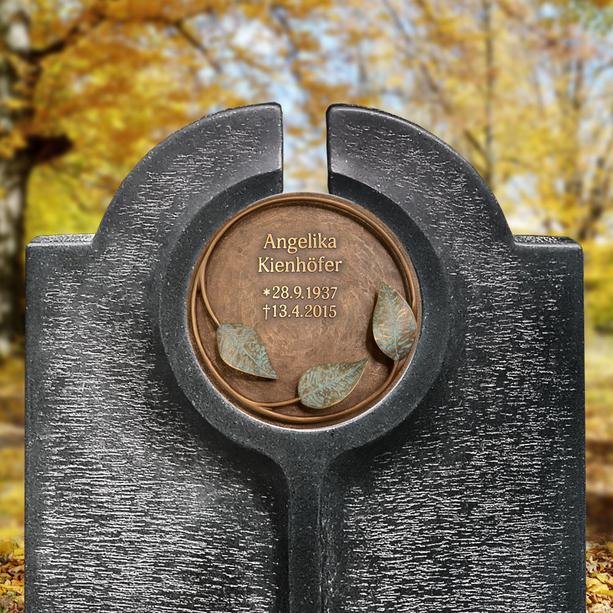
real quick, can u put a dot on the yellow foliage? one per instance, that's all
(11, 577)
(599, 581)
(523, 93)
(117, 76)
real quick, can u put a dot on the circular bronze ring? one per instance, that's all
(367, 220)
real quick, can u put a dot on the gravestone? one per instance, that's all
(240, 400)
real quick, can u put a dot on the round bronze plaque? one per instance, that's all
(304, 310)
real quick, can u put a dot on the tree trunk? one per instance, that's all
(14, 174)
(15, 167)
(490, 85)
(20, 152)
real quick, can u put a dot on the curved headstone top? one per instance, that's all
(412, 167)
(191, 167)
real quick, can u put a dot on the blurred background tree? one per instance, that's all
(523, 88)
(87, 86)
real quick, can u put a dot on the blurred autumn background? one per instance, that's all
(522, 88)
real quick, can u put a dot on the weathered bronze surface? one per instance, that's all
(393, 324)
(284, 294)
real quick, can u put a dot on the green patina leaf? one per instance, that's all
(325, 385)
(394, 326)
(242, 348)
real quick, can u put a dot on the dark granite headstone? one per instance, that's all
(461, 489)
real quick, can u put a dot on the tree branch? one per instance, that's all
(599, 198)
(433, 86)
(183, 29)
(95, 17)
(90, 19)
